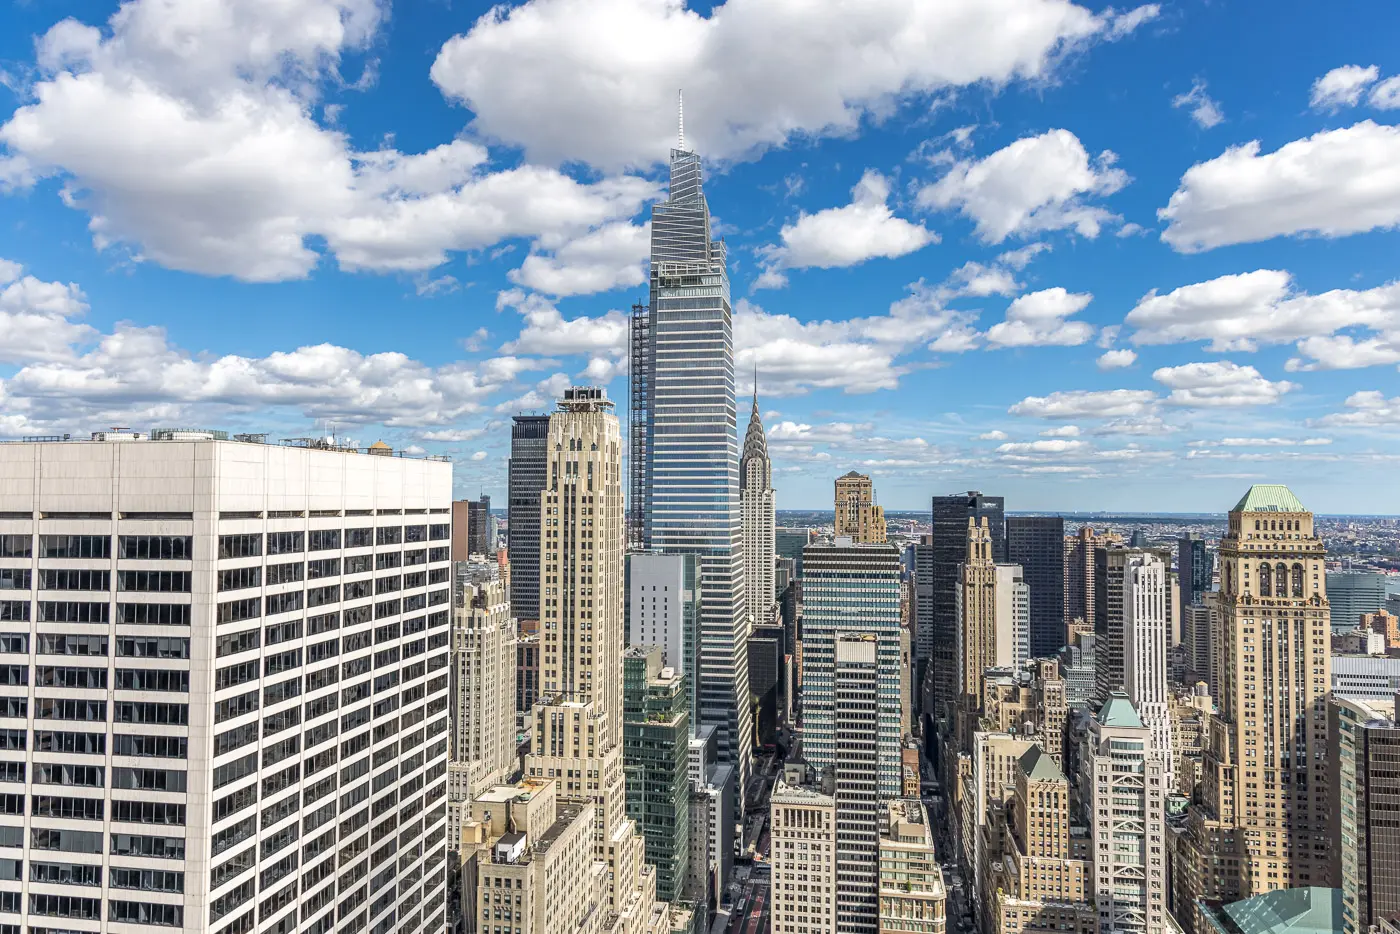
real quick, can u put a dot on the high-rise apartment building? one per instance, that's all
(912, 897)
(858, 517)
(803, 839)
(663, 609)
(1013, 616)
(951, 515)
(473, 531)
(1037, 544)
(579, 718)
(856, 680)
(1364, 794)
(1194, 568)
(685, 449)
(1124, 796)
(528, 474)
(484, 638)
(923, 615)
(850, 588)
(1261, 822)
(228, 686)
(1131, 648)
(1083, 552)
(756, 499)
(1029, 700)
(656, 734)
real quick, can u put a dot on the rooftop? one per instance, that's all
(1269, 497)
(1038, 765)
(1311, 910)
(1118, 711)
(157, 435)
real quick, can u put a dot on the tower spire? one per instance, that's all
(680, 119)
(755, 389)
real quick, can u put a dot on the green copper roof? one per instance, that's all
(1118, 711)
(1037, 764)
(1269, 497)
(1311, 910)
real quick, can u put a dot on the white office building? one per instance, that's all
(226, 681)
(663, 607)
(1145, 631)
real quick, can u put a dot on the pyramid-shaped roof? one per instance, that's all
(1038, 765)
(1118, 711)
(1269, 497)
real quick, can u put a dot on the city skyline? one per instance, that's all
(1118, 332)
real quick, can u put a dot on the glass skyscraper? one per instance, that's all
(688, 451)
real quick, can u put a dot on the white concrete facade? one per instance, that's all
(238, 654)
(1146, 632)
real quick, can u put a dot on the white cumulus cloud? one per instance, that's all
(1367, 409)
(1040, 319)
(595, 80)
(1331, 184)
(1116, 359)
(1204, 110)
(1342, 87)
(846, 236)
(1108, 403)
(1037, 183)
(600, 260)
(1219, 383)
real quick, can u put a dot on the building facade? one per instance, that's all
(803, 840)
(857, 787)
(528, 472)
(251, 642)
(578, 739)
(1364, 794)
(484, 639)
(1194, 569)
(951, 515)
(1260, 823)
(473, 532)
(663, 609)
(1124, 790)
(1037, 544)
(858, 516)
(850, 589)
(975, 639)
(1352, 593)
(912, 896)
(656, 733)
(685, 449)
(756, 499)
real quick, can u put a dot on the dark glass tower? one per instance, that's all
(1193, 568)
(529, 468)
(949, 548)
(1037, 544)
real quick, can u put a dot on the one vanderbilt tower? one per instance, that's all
(685, 446)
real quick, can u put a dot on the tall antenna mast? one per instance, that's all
(680, 114)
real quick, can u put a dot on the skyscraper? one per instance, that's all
(1124, 793)
(975, 601)
(1363, 789)
(856, 678)
(1037, 544)
(663, 609)
(949, 544)
(1261, 820)
(578, 720)
(1352, 593)
(757, 502)
(656, 734)
(529, 470)
(857, 515)
(685, 447)
(849, 588)
(1083, 550)
(472, 530)
(484, 661)
(215, 691)
(1132, 650)
(1193, 569)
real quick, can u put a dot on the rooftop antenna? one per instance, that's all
(680, 114)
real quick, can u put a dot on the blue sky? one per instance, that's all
(1087, 258)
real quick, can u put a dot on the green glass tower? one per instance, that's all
(655, 735)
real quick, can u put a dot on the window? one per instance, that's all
(283, 690)
(156, 547)
(439, 533)
(150, 712)
(387, 608)
(153, 647)
(157, 614)
(68, 808)
(87, 744)
(124, 844)
(359, 538)
(69, 841)
(231, 899)
(152, 679)
(52, 611)
(235, 642)
(153, 581)
(386, 560)
(234, 835)
(149, 779)
(323, 540)
(13, 739)
(285, 543)
(16, 546)
(237, 673)
(354, 590)
(55, 773)
(66, 906)
(14, 611)
(164, 747)
(415, 533)
(148, 880)
(65, 873)
(284, 632)
(323, 567)
(236, 706)
(280, 751)
(322, 651)
(54, 644)
(390, 584)
(240, 546)
(280, 721)
(286, 573)
(56, 708)
(69, 579)
(237, 610)
(75, 546)
(280, 662)
(148, 812)
(438, 554)
(388, 535)
(14, 642)
(238, 768)
(231, 804)
(229, 740)
(283, 602)
(326, 622)
(240, 578)
(359, 564)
